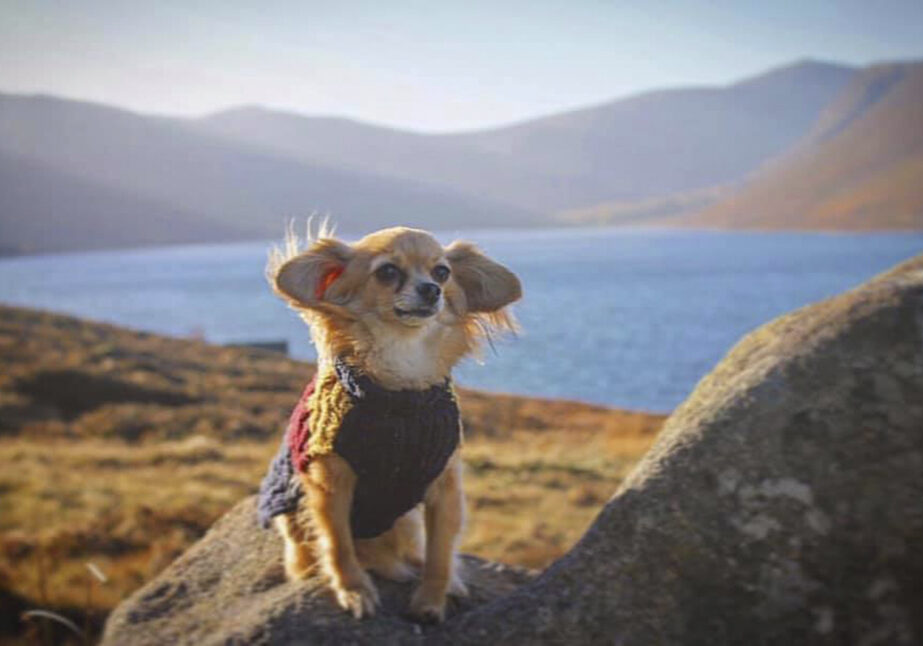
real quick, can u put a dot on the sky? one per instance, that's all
(432, 66)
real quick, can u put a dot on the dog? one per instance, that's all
(371, 454)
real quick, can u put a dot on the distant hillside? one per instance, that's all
(814, 145)
(347, 144)
(661, 210)
(644, 146)
(44, 209)
(861, 166)
(159, 161)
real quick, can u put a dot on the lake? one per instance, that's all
(628, 318)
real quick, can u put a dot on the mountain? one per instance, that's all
(650, 145)
(171, 168)
(860, 167)
(48, 210)
(342, 143)
(812, 144)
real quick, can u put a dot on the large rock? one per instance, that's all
(782, 503)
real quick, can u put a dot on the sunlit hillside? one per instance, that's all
(861, 167)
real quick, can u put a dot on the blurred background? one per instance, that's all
(663, 177)
(618, 157)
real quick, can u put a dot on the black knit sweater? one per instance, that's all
(397, 442)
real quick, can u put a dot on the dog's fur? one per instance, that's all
(385, 326)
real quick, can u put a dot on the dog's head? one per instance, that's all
(394, 284)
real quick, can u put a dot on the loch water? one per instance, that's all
(627, 318)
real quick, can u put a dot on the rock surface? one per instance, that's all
(782, 503)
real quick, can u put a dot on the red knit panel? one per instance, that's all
(299, 429)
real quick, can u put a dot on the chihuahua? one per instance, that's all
(371, 454)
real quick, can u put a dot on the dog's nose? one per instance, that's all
(429, 292)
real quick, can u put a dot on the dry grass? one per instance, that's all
(120, 449)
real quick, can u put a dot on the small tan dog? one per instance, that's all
(390, 316)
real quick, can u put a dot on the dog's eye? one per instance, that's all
(441, 273)
(388, 273)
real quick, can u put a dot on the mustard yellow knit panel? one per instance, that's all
(328, 404)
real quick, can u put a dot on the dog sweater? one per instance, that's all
(396, 441)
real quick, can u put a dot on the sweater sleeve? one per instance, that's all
(279, 490)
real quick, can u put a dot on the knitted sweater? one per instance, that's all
(396, 441)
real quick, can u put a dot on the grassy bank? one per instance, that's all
(120, 449)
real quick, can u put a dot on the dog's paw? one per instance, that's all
(357, 595)
(457, 587)
(427, 607)
(396, 571)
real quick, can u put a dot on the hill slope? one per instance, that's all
(386, 152)
(861, 167)
(49, 210)
(653, 144)
(163, 161)
(670, 157)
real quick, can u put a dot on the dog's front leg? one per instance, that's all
(330, 483)
(444, 509)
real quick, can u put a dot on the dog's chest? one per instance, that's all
(411, 360)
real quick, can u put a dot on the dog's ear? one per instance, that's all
(312, 279)
(488, 285)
